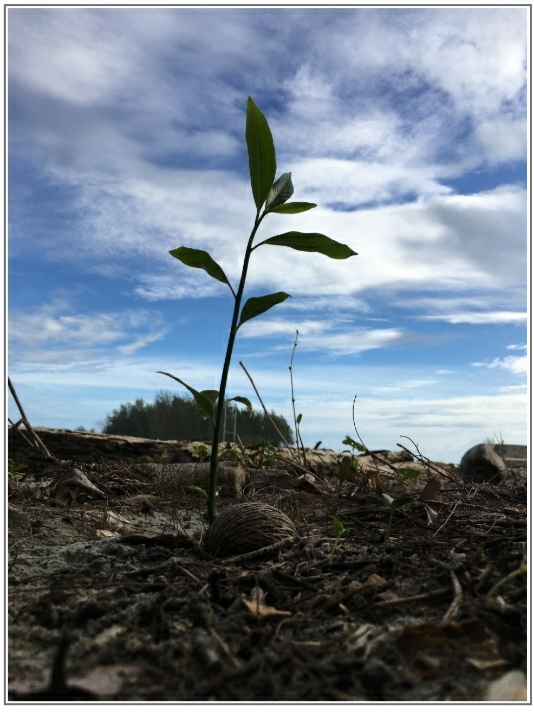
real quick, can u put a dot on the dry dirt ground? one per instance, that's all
(115, 598)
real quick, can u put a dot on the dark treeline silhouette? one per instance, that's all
(173, 417)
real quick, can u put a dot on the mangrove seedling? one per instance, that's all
(341, 531)
(270, 196)
(403, 473)
(521, 569)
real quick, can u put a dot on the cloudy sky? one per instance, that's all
(408, 129)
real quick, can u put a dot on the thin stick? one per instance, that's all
(37, 440)
(445, 522)
(411, 599)
(225, 647)
(259, 552)
(300, 467)
(297, 430)
(425, 460)
(367, 451)
(454, 608)
(15, 426)
(263, 406)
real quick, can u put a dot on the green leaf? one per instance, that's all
(339, 526)
(292, 208)
(212, 395)
(407, 473)
(199, 448)
(194, 488)
(401, 501)
(299, 418)
(281, 191)
(204, 404)
(232, 451)
(245, 401)
(261, 153)
(201, 259)
(388, 499)
(311, 242)
(257, 305)
(349, 441)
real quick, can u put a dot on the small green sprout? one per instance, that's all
(270, 196)
(404, 473)
(15, 471)
(521, 569)
(199, 449)
(341, 531)
(194, 488)
(353, 463)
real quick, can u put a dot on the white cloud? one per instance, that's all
(353, 342)
(517, 347)
(502, 140)
(501, 317)
(405, 386)
(54, 333)
(332, 336)
(132, 159)
(72, 56)
(272, 327)
(515, 364)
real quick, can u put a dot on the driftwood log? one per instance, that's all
(95, 447)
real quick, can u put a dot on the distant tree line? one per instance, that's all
(173, 417)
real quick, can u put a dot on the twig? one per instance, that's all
(373, 455)
(410, 599)
(293, 396)
(244, 453)
(426, 461)
(15, 427)
(300, 467)
(484, 577)
(38, 443)
(225, 647)
(263, 406)
(454, 608)
(259, 552)
(445, 522)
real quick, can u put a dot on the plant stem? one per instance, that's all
(214, 457)
(388, 531)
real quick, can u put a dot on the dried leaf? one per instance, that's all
(72, 483)
(375, 580)
(431, 499)
(432, 491)
(431, 512)
(256, 605)
(261, 611)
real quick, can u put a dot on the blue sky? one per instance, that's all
(408, 129)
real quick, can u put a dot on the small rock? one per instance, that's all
(482, 464)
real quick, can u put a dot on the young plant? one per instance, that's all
(521, 569)
(16, 471)
(353, 446)
(341, 531)
(404, 473)
(270, 196)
